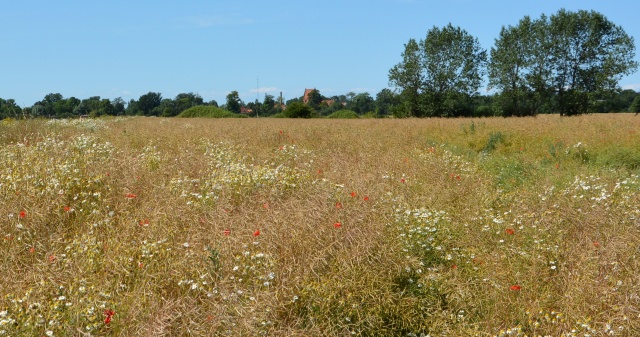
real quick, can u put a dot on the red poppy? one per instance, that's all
(515, 287)
(66, 208)
(32, 250)
(455, 266)
(226, 232)
(52, 258)
(337, 225)
(140, 264)
(596, 244)
(109, 314)
(338, 205)
(402, 180)
(510, 231)
(256, 233)
(130, 196)
(319, 171)
(353, 194)
(265, 205)
(22, 214)
(144, 222)
(281, 132)
(366, 198)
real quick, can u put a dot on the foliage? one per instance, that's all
(281, 114)
(408, 76)
(561, 61)
(440, 74)
(233, 102)
(298, 110)
(9, 109)
(635, 105)
(385, 101)
(148, 102)
(362, 103)
(518, 67)
(315, 98)
(208, 112)
(344, 114)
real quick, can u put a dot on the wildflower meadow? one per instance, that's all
(277, 227)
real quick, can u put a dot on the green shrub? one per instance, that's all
(344, 114)
(299, 110)
(370, 114)
(208, 112)
(620, 157)
(495, 138)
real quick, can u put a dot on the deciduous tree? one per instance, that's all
(407, 76)
(453, 64)
(233, 102)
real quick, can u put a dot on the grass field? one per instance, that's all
(276, 227)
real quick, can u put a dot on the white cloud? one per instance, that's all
(635, 86)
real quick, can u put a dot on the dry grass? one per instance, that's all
(457, 227)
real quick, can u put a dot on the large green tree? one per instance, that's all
(407, 76)
(148, 102)
(9, 109)
(118, 106)
(233, 102)
(589, 54)
(562, 63)
(439, 75)
(453, 63)
(185, 101)
(385, 101)
(268, 105)
(362, 103)
(518, 67)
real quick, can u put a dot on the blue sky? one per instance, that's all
(127, 48)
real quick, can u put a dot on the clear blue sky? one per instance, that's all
(120, 48)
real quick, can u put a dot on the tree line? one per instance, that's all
(54, 105)
(568, 63)
(385, 103)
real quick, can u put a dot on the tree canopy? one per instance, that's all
(559, 63)
(438, 75)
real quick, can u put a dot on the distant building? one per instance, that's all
(328, 102)
(305, 97)
(245, 110)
